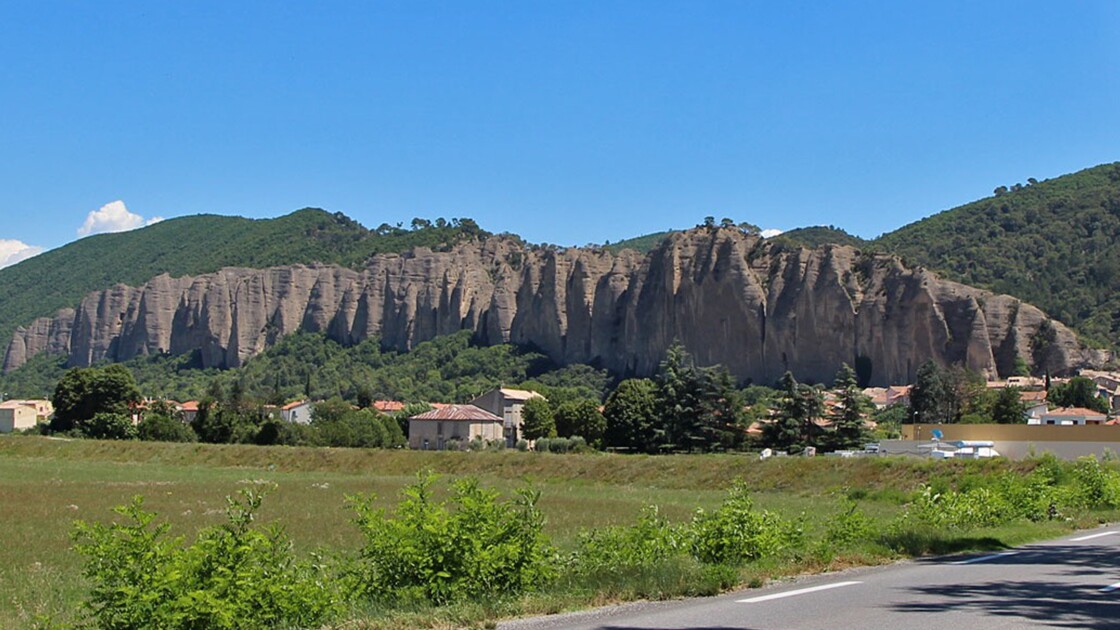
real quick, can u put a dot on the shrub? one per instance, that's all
(849, 526)
(108, 426)
(471, 546)
(233, 576)
(619, 550)
(736, 532)
(1095, 486)
(161, 428)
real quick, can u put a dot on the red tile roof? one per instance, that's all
(293, 405)
(388, 406)
(1074, 411)
(467, 413)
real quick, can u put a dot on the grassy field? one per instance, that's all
(46, 484)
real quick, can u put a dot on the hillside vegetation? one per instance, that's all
(1054, 244)
(446, 369)
(641, 244)
(819, 235)
(201, 244)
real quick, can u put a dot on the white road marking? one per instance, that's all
(801, 591)
(1109, 589)
(985, 558)
(1091, 536)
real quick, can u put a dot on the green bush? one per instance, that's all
(108, 426)
(849, 526)
(471, 546)
(1095, 486)
(620, 550)
(233, 576)
(161, 428)
(736, 532)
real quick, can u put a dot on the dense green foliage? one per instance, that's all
(446, 369)
(201, 244)
(471, 546)
(91, 399)
(1054, 244)
(641, 244)
(817, 236)
(235, 576)
(1077, 392)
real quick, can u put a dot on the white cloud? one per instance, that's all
(770, 232)
(113, 217)
(13, 251)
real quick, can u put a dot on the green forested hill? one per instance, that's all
(641, 244)
(1055, 244)
(200, 244)
(819, 235)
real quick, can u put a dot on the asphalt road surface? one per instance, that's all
(1073, 582)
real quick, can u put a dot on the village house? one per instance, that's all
(506, 403)
(1078, 416)
(436, 429)
(883, 397)
(17, 415)
(189, 411)
(1034, 404)
(388, 406)
(298, 412)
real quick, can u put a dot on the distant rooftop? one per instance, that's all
(458, 413)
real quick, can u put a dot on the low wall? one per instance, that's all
(1020, 440)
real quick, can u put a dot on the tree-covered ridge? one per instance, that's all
(202, 244)
(819, 235)
(1054, 244)
(641, 244)
(446, 369)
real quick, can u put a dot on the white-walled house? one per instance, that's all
(298, 412)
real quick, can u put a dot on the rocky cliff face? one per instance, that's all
(731, 298)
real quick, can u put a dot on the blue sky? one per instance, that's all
(566, 122)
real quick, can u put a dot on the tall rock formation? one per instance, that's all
(732, 298)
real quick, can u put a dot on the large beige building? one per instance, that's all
(433, 430)
(17, 415)
(507, 404)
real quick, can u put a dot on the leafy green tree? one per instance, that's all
(353, 429)
(83, 393)
(631, 415)
(330, 410)
(928, 396)
(217, 424)
(1008, 407)
(394, 437)
(1078, 392)
(537, 419)
(679, 398)
(108, 426)
(158, 427)
(721, 409)
(847, 419)
(580, 418)
(785, 431)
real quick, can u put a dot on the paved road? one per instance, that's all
(1073, 582)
